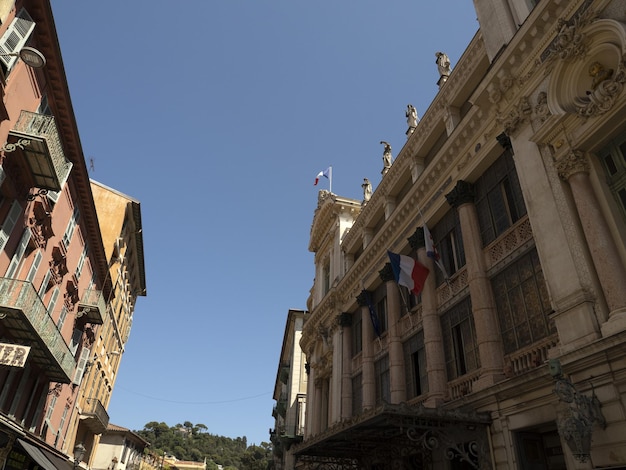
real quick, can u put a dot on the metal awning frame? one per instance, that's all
(392, 432)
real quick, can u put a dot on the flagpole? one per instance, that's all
(330, 180)
(406, 305)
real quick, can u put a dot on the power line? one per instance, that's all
(192, 402)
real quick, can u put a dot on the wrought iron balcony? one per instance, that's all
(37, 138)
(92, 306)
(25, 318)
(95, 416)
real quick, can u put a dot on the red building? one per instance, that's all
(53, 269)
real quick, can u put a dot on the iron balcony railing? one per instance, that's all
(92, 305)
(38, 138)
(25, 316)
(95, 416)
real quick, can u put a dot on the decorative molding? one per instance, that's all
(602, 97)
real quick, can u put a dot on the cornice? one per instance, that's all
(47, 42)
(427, 131)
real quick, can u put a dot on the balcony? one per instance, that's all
(25, 318)
(36, 138)
(92, 306)
(95, 416)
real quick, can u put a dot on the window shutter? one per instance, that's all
(44, 285)
(15, 37)
(33, 269)
(9, 223)
(19, 253)
(53, 300)
(80, 368)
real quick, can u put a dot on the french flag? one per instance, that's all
(408, 272)
(325, 173)
(431, 251)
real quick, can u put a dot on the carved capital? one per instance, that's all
(345, 319)
(363, 298)
(462, 193)
(386, 274)
(572, 163)
(417, 240)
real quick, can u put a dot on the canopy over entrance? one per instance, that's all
(385, 435)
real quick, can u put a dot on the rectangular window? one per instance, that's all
(613, 158)
(379, 300)
(449, 243)
(75, 341)
(499, 200)
(71, 226)
(62, 318)
(9, 223)
(326, 278)
(357, 333)
(80, 366)
(44, 284)
(81, 262)
(415, 366)
(32, 272)
(357, 394)
(383, 385)
(19, 254)
(53, 300)
(459, 340)
(522, 302)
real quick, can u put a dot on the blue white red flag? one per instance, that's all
(408, 272)
(431, 251)
(325, 173)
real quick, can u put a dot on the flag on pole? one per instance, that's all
(431, 251)
(326, 173)
(408, 272)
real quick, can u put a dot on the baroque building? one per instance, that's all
(512, 355)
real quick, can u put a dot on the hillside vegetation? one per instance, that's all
(193, 442)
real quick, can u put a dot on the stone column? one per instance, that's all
(367, 354)
(574, 168)
(397, 375)
(325, 407)
(559, 244)
(313, 421)
(431, 324)
(345, 322)
(483, 303)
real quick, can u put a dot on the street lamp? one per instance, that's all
(79, 453)
(30, 56)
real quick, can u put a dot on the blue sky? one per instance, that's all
(217, 115)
